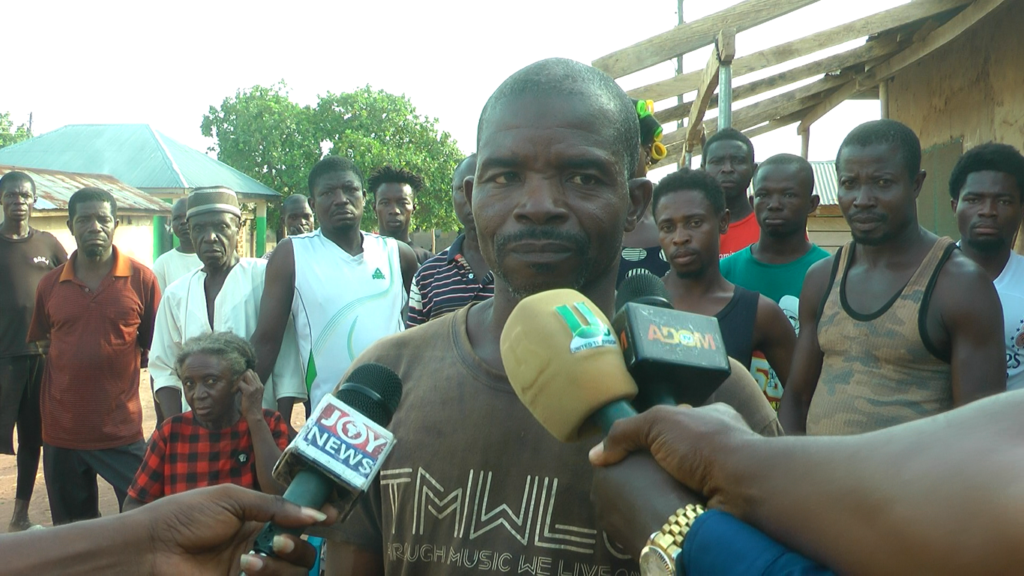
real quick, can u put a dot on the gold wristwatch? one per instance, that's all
(659, 556)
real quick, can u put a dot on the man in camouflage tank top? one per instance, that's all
(898, 325)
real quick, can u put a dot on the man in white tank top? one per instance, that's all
(344, 288)
(987, 186)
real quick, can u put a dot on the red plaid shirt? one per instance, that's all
(183, 455)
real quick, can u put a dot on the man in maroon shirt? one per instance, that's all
(98, 311)
(729, 157)
(26, 255)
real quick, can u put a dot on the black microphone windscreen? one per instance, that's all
(372, 380)
(640, 285)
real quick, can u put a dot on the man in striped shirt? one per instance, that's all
(458, 275)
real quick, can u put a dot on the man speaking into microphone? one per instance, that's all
(474, 482)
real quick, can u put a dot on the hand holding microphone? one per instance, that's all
(565, 364)
(340, 449)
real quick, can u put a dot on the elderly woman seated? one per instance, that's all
(227, 438)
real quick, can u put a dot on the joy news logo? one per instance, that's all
(349, 439)
(593, 334)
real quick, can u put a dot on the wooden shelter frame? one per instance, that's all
(895, 39)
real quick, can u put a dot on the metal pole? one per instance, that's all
(261, 228)
(688, 156)
(724, 96)
(679, 60)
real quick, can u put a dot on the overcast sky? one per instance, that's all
(112, 61)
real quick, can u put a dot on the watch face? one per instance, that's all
(654, 562)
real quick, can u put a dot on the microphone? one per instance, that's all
(563, 360)
(676, 357)
(642, 287)
(340, 449)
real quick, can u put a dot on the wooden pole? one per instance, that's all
(805, 142)
(883, 98)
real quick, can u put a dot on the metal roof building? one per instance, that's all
(135, 154)
(825, 184)
(143, 158)
(139, 213)
(55, 188)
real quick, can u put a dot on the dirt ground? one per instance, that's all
(39, 510)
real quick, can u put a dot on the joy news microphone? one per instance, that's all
(340, 449)
(563, 360)
(675, 357)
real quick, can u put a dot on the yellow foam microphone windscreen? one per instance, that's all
(564, 361)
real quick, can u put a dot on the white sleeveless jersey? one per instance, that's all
(343, 304)
(1010, 286)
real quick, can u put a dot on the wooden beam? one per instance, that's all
(859, 55)
(725, 50)
(938, 38)
(883, 99)
(932, 42)
(693, 35)
(694, 127)
(805, 143)
(835, 99)
(929, 27)
(769, 108)
(775, 55)
(750, 132)
(775, 124)
(744, 122)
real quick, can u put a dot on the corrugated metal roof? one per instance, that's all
(825, 183)
(135, 154)
(55, 189)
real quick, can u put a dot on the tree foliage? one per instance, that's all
(11, 134)
(266, 135)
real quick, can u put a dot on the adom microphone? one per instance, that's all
(340, 449)
(675, 357)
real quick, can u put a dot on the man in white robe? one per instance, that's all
(223, 296)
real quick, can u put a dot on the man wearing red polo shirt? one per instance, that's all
(98, 311)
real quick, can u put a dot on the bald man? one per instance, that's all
(557, 144)
(297, 217)
(458, 275)
(776, 264)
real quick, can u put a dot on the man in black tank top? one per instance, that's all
(689, 210)
(905, 305)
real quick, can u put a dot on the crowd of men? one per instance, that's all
(896, 326)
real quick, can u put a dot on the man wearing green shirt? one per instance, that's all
(776, 264)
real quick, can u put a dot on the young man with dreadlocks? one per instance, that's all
(394, 201)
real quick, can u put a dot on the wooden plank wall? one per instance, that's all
(971, 89)
(827, 228)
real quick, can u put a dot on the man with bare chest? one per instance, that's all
(898, 325)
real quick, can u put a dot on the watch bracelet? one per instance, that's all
(670, 538)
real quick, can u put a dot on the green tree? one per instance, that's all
(374, 128)
(9, 133)
(261, 132)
